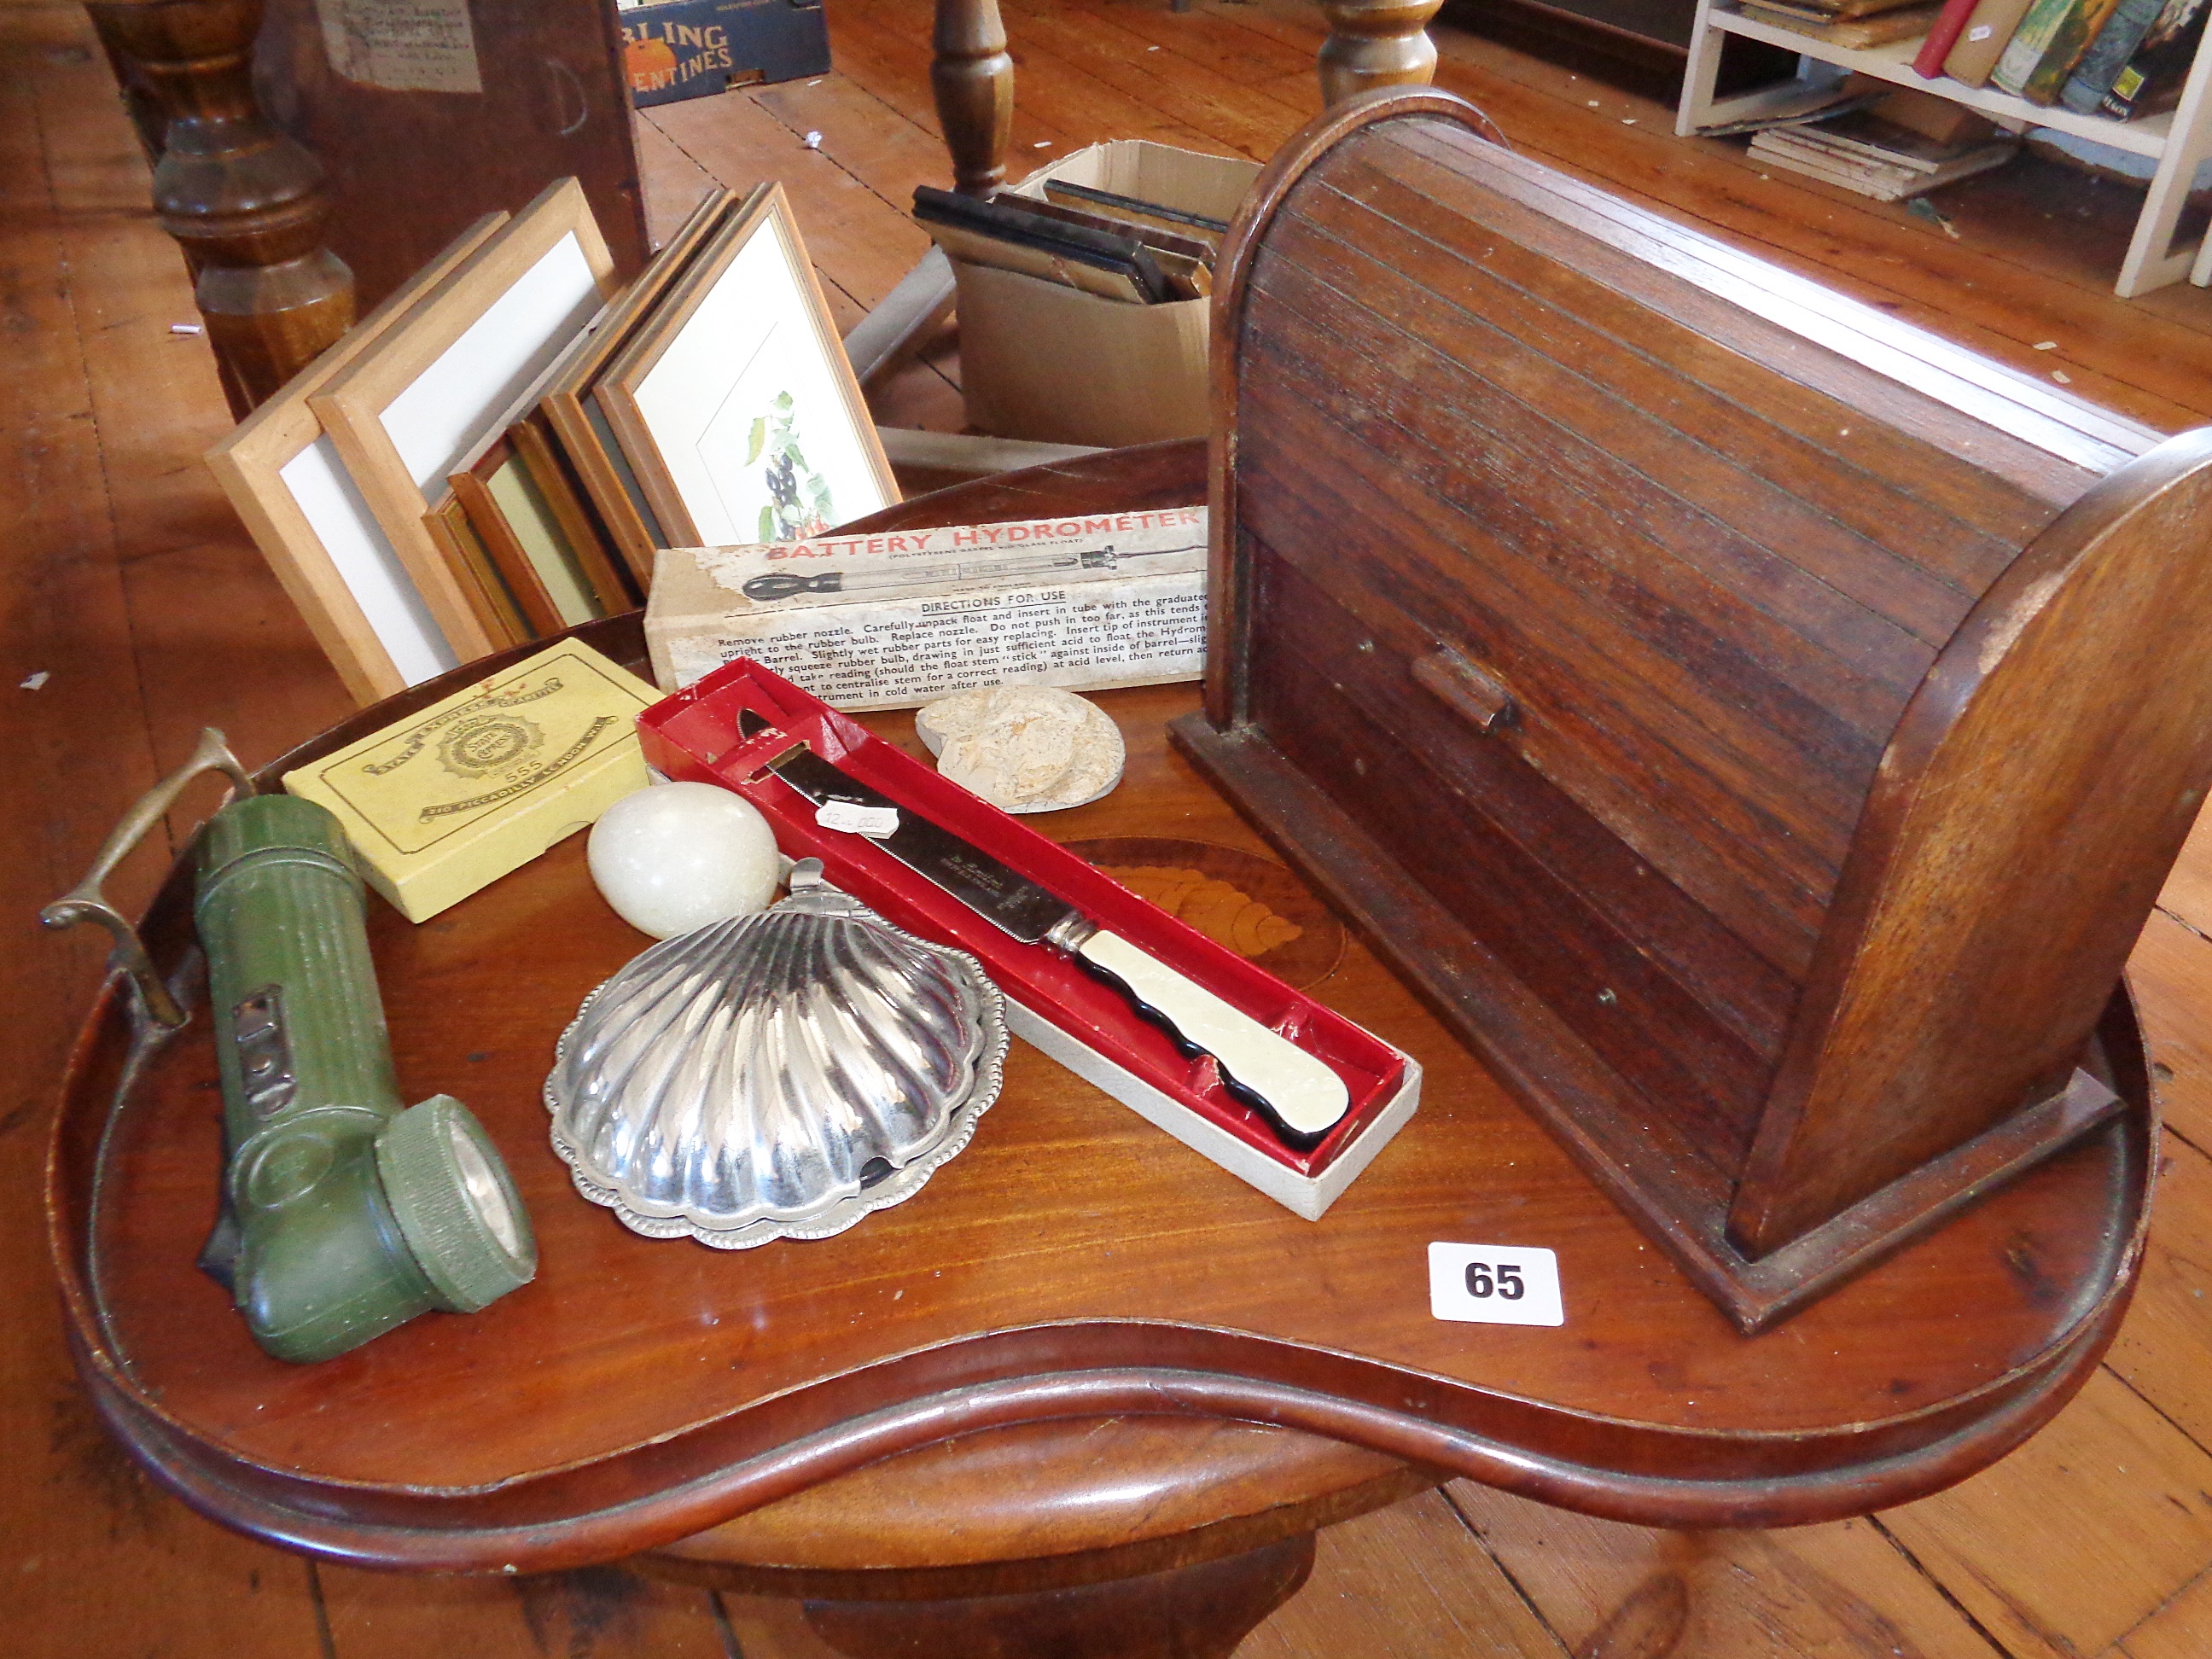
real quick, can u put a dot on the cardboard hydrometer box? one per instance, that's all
(450, 799)
(895, 619)
(693, 48)
(1038, 359)
(698, 736)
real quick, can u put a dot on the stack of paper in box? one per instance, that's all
(1861, 152)
(1855, 23)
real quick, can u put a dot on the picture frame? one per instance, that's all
(412, 407)
(457, 541)
(530, 542)
(735, 405)
(284, 477)
(540, 454)
(569, 404)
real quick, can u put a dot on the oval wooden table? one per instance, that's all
(1085, 1393)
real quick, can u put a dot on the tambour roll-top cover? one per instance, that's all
(1707, 536)
(1587, 566)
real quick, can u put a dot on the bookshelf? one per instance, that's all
(2177, 141)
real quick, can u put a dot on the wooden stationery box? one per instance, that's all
(1760, 726)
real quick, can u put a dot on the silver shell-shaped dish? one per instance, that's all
(776, 1075)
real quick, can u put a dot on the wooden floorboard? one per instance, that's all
(1809, 1593)
(1405, 1582)
(603, 1611)
(128, 585)
(95, 1559)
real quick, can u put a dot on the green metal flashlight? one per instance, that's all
(344, 1215)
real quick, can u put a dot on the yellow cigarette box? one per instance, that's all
(451, 799)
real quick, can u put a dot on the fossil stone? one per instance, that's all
(1023, 748)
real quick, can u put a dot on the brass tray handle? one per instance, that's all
(86, 902)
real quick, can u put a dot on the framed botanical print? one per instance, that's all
(570, 403)
(735, 405)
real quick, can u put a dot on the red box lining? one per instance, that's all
(693, 736)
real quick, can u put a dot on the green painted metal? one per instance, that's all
(345, 1215)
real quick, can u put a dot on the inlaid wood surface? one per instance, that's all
(154, 615)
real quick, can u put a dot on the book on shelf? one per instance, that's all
(1858, 33)
(2153, 79)
(2108, 54)
(1950, 23)
(2083, 24)
(2046, 45)
(1987, 33)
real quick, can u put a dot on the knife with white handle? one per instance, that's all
(1302, 1098)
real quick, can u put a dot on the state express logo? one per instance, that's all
(489, 742)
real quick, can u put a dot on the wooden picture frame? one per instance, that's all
(584, 436)
(530, 542)
(497, 607)
(412, 408)
(284, 476)
(735, 404)
(540, 454)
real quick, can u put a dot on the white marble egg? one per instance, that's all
(678, 856)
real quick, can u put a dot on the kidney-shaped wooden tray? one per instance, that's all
(1072, 1262)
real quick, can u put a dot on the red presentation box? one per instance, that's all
(1052, 1002)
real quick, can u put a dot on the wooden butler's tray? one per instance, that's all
(1072, 1263)
(1759, 727)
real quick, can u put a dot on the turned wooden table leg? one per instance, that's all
(1199, 1612)
(1375, 43)
(973, 78)
(245, 201)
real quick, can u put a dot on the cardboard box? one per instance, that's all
(693, 48)
(451, 799)
(899, 619)
(1044, 361)
(1050, 1001)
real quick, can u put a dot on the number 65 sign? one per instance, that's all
(1495, 1284)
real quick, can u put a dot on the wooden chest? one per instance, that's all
(1759, 727)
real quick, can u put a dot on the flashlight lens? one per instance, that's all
(462, 1219)
(486, 1193)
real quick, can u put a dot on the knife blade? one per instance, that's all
(1299, 1095)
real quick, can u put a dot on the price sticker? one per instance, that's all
(873, 822)
(1495, 1284)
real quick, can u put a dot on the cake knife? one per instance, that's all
(1300, 1097)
